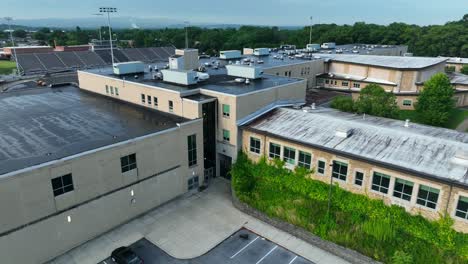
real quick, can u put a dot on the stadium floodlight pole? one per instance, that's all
(310, 34)
(9, 19)
(109, 10)
(100, 34)
(186, 34)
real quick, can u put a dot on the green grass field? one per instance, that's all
(456, 117)
(7, 67)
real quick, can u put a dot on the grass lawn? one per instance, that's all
(456, 117)
(6, 67)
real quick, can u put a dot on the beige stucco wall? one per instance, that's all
(447, 198)
(27, 195)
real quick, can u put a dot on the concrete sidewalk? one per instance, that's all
(189, 227)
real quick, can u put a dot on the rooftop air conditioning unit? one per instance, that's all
(343, 132)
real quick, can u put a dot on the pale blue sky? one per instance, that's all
(266, 12)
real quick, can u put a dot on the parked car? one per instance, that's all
(125, 255)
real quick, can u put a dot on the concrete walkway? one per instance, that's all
(189, 227)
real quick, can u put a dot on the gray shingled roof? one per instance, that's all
(386, 61)
(418, 149)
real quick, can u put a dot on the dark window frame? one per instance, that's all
(62, 184)
(304, 160)
(255, 145)
(340, 170)
(289, 155)
(128, 163)
(273, 147)
(403, 189)
(192, 150)
(428, 196)
(320, 168)
(358, 180)
(378, 187)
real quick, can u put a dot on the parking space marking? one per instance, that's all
(293, 260)
(233, 256)
(269, 252)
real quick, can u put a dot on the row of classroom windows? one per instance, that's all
(64, 184)
(153, 101)
(403, 189)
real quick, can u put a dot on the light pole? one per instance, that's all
(100, 34)
(109, 10)
(9, 19)
(310, 34)
(186, 34)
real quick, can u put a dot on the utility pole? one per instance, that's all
(9, 19)
(310, 34)
(100, 34)
(109, 10)
(186, 34)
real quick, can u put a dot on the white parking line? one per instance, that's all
(269, 252)
(244, 248)
(293, 260)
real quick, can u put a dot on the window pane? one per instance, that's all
(67, 180)
(56, 183)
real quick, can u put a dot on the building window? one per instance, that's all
(407, 102)
(149, 100)
(193, 183)
(112, 90)
(462, 207)
(356, 85)
(380, 182)
(226, 110)
(155, 100)
(427, 196)
(358, 178)
(62, 184)
(327, 81)
(403, 189)
(192, 150)
(116, 91)
(289, 155)
(344, 84)
(304, 159)
(226, 135)
(340, 170)
(143, 98)
(255, 145)
(321, 167)
(171, 106)
(275, 151)
(107, 89)
(128, 163)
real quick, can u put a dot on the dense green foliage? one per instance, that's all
(387, 234)
(435, 101)
(373, 100)
(464, 69)
(450, 39)
(456, 117)
(343, 103)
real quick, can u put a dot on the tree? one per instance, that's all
(435, 102)
(374, 100)
(19, 33)
(464, 69)
(343, 103)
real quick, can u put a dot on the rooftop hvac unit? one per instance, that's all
(130, 67)
(343, 132)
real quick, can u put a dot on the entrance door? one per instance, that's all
(225, 163)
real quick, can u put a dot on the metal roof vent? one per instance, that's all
(306, 109)
(407, 123)
(343, 132)
(312, 106)
(461, 158)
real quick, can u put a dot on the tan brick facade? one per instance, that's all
(446, 203)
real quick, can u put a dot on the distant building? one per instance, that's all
(27, 49)
(458, 63)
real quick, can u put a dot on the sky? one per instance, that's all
(253, 12)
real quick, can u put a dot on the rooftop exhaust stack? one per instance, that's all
(313, 106)
(407, 122)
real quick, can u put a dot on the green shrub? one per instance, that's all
(343, 103)
(385, 233)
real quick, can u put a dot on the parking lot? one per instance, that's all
(234, 250)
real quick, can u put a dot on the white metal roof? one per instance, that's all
(386, 61)
(419, 149)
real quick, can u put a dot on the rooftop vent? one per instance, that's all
(306, 109)
(343, 132)
(407, 123)
(461, 158)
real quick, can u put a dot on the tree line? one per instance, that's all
(450, 39)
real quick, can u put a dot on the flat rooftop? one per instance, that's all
(46, 124)
(396, 62)
(417, 149)
(219, 81)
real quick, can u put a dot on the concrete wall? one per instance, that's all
(448, 198)
(305, 69)
(36, 229)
